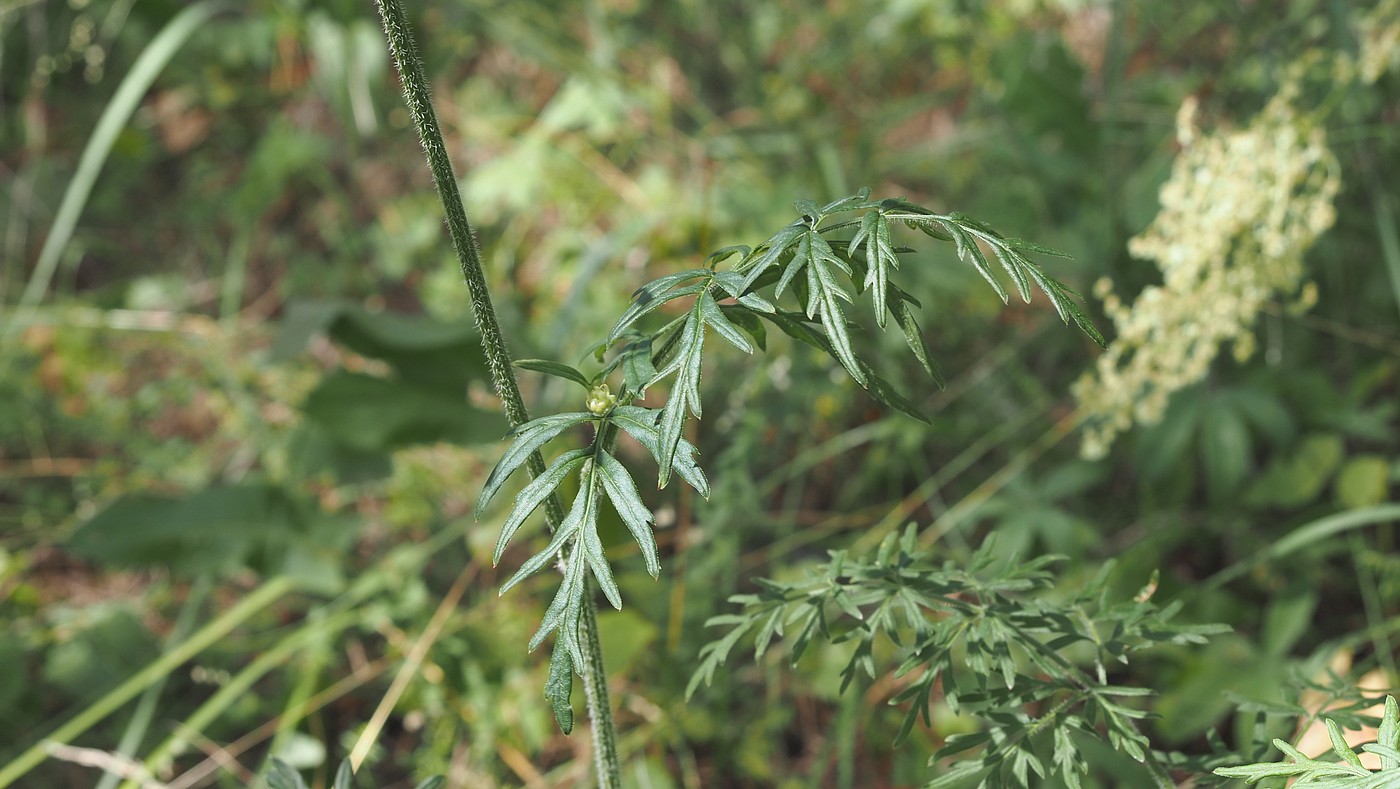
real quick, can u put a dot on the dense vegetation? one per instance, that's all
(246, 419)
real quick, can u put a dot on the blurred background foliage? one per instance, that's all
(254, 360)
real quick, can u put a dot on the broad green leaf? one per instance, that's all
(555, 369)
(534, 494)
(282, 776)
(528, 437)
(1226, 449)
(1363, 481)
(367, 413)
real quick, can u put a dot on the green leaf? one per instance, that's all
(426, 352)
(685, 390)
(898, 302)
(743, 317)
(1363, 481)
(1388, 735)
(1225, 448)
(640, 423)
(732, 283)
(854, 202)
(714, 317)
(622, 491)
(724, 253)
(221, 528)
(528, 437)
(559, 687)
(781, 242)
(281, 776)
(344, 776)
(969, 252)
(566, 609)
(555, 369)
(879, 258)
(582, 515)
(1340, 747)
(535, 493)
(654, 294)
(884, 392)
(825, 295)
(637, 369)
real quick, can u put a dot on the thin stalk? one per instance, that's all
(146, 707)
(119, 110)
(260, 598)
(419, 100)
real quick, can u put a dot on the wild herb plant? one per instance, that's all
(987, 640)
(1347, 772)
(822, 259)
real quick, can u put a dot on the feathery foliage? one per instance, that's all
(821, 258)
(982, 638)
(1347, 772)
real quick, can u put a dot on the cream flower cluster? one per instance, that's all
(1238, 212)
(1379, 33)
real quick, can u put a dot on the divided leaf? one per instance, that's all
(640, 423)
(528, 437)
(654, 294)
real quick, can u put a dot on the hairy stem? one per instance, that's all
(420, 107)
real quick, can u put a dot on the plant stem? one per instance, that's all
(419, 100)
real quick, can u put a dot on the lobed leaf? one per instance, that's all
(559, 686)
(622, 491)
(640, 423)
(528, 437)
(654, 294)
(714, 317)
(781, 242)
(533, 495)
